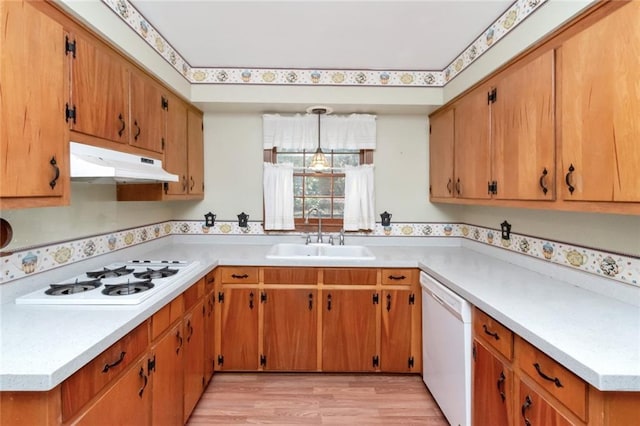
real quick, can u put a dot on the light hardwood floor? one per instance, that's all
(338, 399)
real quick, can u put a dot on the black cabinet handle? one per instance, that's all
(397, 277)
(542, 179)
(251, 300)
(567, 179)
(310, 301)
(190, 328)
(135, 137)
(184, 183)
(193, 183)
(555, 380)
(179, 339)
(54, 164)
(458, 187)
(239, 277)
(388, 302)
(107, 367)
(146, 380)
(490, 333)
(450, 186)
(524, 408)
(328, 302)
(500, 384)
(122, 124)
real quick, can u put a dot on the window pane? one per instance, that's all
(315, 185)
(341, 160)
(297, 186)
(338, 186)
(324, 205)
(297, 207)
(295, 159)
(338, 208)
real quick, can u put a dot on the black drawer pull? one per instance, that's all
(555, 380)
(542, 179)
(567, 179)
(107, 367)
(56, 169)
(397, 277)
(239, 277)
(490, 333)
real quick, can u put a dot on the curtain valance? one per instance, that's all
(351, 132)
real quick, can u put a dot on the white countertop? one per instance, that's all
(595, 336)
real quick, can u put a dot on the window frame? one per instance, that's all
(328, 224)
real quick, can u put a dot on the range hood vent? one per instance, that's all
(99, 165)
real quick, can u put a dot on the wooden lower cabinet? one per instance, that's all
(193, 330)
(168, 375)
(396, 352)
(238, 329)
(349, 330)
(492, 389)
(290, 318)
(209, 335)
(127, 402)
(536, 411)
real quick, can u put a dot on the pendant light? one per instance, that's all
(319, 161)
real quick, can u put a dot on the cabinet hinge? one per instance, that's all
(69, 46)
(375, 361)
(151, 365)
(165, 186)
(376, 298)
(412, 299)
(203, 382)
(220, 360)
(69, 113)
(162, 143)
(263, 360)
(492, 187)
(410, 362)
(263, 297)
(220, 297)
(474, 352)
(429, 128)
(164, 102)
(492, 96)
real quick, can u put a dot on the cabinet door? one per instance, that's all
(472, 145)
(33, 149)
(441, 132)
(239, 329)
(209, 335)
(193, 357)
(523, 133)
(99, 91)
(147, 113)
(175, 159)
(349, 330)
(290, 329)
(600, 105)
(492, 392)
(127, 402)
(395, 340)
(167, 378)
(535, 411)
(196, 152)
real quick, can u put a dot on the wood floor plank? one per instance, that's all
(314, 398)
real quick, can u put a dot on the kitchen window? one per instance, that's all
(324, 191)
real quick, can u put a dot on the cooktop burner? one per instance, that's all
(155, 273)
(127, 288)
(72, 288)
(110, 273)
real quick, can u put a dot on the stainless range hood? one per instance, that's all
(99, 165)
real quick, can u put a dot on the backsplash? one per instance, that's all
(618, 267)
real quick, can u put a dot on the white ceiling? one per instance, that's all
(321, 34)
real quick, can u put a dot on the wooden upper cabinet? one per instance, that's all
(600, 106)
(175, 160)
(33, 145)
(523, 133)
(148, 124)
(195, 156)
(99, 91)
(472, 145)
(441, 150)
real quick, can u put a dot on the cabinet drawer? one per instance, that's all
(239, 275)
(399, 276)
(78, 389)
(209, 281)
(193, 294)
(361, 276)
(493, 333)
(166, 316)
(568, 388)
(290, 276)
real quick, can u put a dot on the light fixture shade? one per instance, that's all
(319, 162)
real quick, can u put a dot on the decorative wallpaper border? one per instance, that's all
(614, 266)
(511, 18)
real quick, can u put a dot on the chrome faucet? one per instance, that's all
(306, 221)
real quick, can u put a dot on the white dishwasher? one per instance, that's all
(446, 349)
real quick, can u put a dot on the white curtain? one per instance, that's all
(278, 196)
(359, 202)
(355, 131)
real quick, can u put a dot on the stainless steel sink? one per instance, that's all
(319, 251)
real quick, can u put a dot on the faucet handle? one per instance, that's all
(342, 237)
(331, 239)
(307, 239)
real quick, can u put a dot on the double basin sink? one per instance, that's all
(319, 252)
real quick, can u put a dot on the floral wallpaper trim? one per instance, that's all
(510, 19)
(618, 267)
